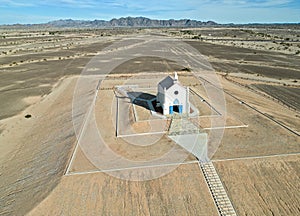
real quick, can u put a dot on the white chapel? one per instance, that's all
(172, 96)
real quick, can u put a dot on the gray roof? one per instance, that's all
(166, 82)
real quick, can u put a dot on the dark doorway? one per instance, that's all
(176, 108)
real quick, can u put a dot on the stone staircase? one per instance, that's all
(217, 190)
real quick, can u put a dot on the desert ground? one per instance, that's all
(53, 84)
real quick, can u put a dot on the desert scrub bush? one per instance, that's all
(189, 32)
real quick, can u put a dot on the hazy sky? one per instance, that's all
(221, 11)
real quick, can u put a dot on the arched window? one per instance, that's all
(176, 102)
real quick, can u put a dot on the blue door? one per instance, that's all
(171, 110)
(180, 108)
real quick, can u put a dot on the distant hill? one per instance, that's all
(121, 22)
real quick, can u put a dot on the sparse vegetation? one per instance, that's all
(196, 37)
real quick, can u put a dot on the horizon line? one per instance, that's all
(124, 17)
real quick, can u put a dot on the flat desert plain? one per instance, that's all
(44, 171)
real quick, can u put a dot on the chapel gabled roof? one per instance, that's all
(166, 82)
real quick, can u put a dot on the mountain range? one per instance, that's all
(121, 22)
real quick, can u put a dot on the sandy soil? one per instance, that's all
(285, 39)
(236, 60)
(181, 192)
(35, 151)
(32, 100)
(262, 186)
(286, 95)
(30, 66)
(270, 138)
